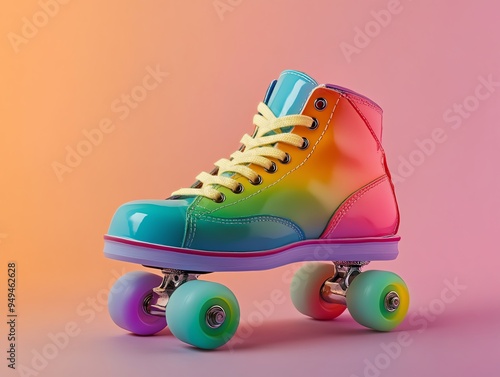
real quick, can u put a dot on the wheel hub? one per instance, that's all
(391, 301)
(215, 316)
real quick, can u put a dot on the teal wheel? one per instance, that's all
(203, 314)
(378, 300)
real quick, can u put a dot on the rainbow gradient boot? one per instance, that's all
(310, 184)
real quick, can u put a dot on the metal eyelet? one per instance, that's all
(305, 143)
(272, 169)
(220, 199)
(239, 189)
(320, 104)
(314, 125)
(258, 181)
(286, 160)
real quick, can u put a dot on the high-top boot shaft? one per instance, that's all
(344, 159)
(336, 185)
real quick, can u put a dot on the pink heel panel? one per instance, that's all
(371, 115)
(371, 211)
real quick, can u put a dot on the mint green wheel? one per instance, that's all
(203, 314)
(305, 291)
(378, 300)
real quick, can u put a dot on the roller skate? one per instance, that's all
(311, 183)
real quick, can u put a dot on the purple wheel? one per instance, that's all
(126, 303)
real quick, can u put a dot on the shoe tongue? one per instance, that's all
(288, 94)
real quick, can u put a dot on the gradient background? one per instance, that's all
(64, 80)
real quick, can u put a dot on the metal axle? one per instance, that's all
(156, 303)
(335, 288)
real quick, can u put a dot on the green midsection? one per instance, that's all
(270, 218)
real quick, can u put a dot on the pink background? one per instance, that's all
(426, 58)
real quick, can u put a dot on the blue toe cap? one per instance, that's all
(155, 221)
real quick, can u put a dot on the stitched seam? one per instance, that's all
(291, 171)
(193, 231)
(367, 124)
(301, 76)
(364, 102)
(205, 208)
(346, 206)
(189, 234)
(188, 239)
(262, 219)
(397, 215)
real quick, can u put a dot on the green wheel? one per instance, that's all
(203, 314)
(378, 300)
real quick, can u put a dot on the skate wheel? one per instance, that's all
(378, 300)
(126, 299)
(305, 291)
(203, 314)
